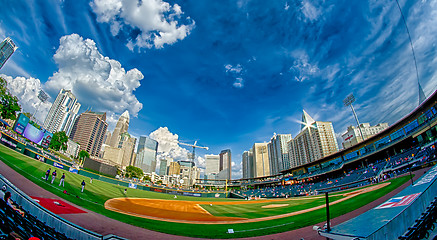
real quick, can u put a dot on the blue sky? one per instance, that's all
(225, 73)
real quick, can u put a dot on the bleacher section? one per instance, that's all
(38, 221)
(343, 179)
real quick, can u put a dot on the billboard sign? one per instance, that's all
(33, 134)
(21, 123)
(45, 141)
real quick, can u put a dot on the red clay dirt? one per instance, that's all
(192, 212)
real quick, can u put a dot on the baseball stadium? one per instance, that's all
(378, 194)
(226, 74)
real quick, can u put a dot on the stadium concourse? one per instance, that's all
(105, 226)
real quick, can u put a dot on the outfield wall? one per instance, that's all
(36, 153)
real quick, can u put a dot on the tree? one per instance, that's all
(59, 141)
(83, 154)
(135, 172)
(147, 178)
(8, 103)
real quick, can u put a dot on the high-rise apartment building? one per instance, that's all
(315, 140)
(146, 154)
(261, 163)
(62, 113)
(7, 48)
(89, 131)
(353, 135)
(247, 164)
(212, 165)
(225, 164)
(278, 153)
(174, 169)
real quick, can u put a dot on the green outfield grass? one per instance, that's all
(255, 210)
(98, 192)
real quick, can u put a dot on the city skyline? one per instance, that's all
(227, 74)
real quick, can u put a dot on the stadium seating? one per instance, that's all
(25, 226)
(426, 222)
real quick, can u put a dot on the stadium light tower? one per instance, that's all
(348, 102)
(42, 96)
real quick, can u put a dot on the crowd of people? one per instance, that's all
(379, 170)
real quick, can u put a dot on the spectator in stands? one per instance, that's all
(62, 180)
(8, 201)
(83, 185)
(53, 176)
(2, 192)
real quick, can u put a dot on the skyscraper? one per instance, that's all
(62, 113)
(121, 127)
(120, 145)
(261, 164)
(89, 131)
(225, 164)
(315, 140)
(163, 162)
(212, 165)
(278, 153)
(247, 160)
(146, 154)
(127, 143)
(7, 48)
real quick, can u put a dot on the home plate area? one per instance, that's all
(57, 206)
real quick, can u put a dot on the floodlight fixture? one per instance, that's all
(348, 102)
(42, 96)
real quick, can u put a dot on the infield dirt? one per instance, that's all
(192, 212)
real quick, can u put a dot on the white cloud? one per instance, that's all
(238, 82)
(98, 82)
(168, 147)
(27, 90)
(237, 170)
(302, 69)
(310, 11)
(2, 33)
(232, 69)
(286, 7)
(236, 72)
(157, 20)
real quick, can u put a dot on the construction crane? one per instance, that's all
(192, 155)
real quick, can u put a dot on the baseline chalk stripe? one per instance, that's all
(399, 201)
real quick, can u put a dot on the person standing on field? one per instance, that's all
(83, 185)
(62, 180)
(48, 174)
(53, 176)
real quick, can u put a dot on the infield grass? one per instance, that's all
(98, 192)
